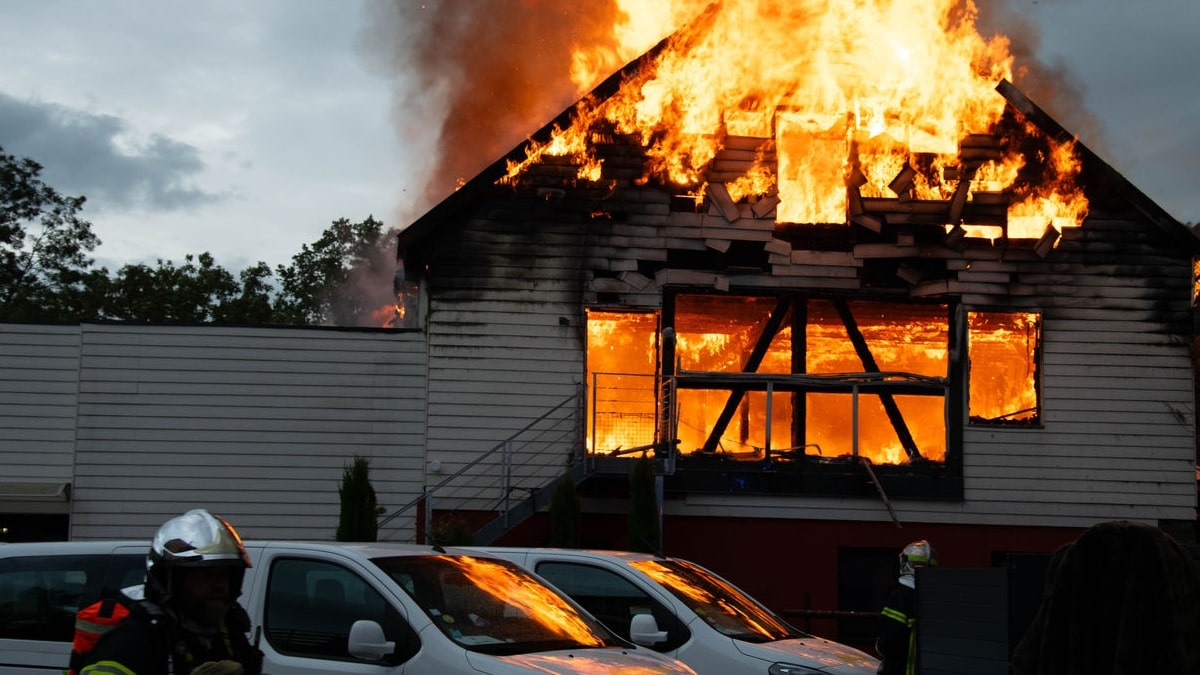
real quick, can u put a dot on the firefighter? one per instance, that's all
(189, 622)
(897, 639)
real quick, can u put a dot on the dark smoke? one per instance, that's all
(1048, 84)
(479, 75)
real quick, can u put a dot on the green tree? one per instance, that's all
(193, 292)
(44, 246)
(319, 287)
(344, 278)
(253, 302)
(198, 291)
(359, 516)
(643, 507)
(565, 513)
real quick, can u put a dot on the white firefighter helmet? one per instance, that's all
(194, 539)
(917, 554)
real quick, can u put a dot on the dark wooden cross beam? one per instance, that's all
(774, 323)
(869, 366)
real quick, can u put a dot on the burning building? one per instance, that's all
(841, 304)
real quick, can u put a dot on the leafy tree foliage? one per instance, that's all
(44, 246)
(193, 292)
(323, 285)
(46, 273)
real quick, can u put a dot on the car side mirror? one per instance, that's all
(367, 641)
(643, 630)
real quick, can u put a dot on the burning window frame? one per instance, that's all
(889, 393)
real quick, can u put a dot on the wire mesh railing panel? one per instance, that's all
(500, 478)
(623, 412)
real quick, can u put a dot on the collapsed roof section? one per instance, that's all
(865, 213)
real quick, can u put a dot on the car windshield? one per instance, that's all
(492, 606)
(721, 605)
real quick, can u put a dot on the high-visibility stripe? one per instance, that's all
(106, 668)
(897, 615)
(910, 668)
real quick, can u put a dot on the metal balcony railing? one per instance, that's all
(507, 483)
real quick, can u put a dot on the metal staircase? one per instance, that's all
(507, 484)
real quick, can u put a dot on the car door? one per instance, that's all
(612, 597)
(305, 604)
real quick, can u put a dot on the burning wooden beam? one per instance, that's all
(774, 323)
(870, 366)
(976, 149)
(720, 196)
(903, 181)
(959, 200)
(1047, 242)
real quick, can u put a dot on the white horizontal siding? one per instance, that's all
(1118, 437)
(39, 383)
(1117, 442)
(255, 424)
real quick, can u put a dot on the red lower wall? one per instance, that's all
(793, 565)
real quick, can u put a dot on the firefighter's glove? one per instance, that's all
(225, 667)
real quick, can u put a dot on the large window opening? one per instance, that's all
(1004, 349)
(622, 357)
(866, 379)
(797, 379)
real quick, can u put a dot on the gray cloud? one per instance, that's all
(82, 154)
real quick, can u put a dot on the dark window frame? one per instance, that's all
(712, 473)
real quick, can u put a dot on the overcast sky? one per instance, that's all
(245, 128)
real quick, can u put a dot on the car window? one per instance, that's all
(493, 606)
(720, 604)
(613, 599)
(40, 594)
(311, 606)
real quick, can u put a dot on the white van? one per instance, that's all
(688, 612)
(367, 609)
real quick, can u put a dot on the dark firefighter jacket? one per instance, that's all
(151, 643)
(896, 641)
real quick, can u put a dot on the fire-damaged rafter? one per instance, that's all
(1116, 182)
(869, 366)
(774, 323)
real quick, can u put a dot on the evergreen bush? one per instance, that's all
(358, 520)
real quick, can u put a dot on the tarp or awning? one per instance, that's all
(34, 497)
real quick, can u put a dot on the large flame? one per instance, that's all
(714, 334)
(842, 88)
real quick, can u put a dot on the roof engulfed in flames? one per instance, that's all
(845, 93)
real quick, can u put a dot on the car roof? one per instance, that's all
(89, 547)
(594, 553)
(81, 547)
(370, 549)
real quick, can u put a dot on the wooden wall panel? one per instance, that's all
(255, 424)
(39, 384)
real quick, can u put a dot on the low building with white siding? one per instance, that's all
(110, 429)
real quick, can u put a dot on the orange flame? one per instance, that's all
(716, 334)
(837, 87)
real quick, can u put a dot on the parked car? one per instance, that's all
(688, 612)
(366, 609)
